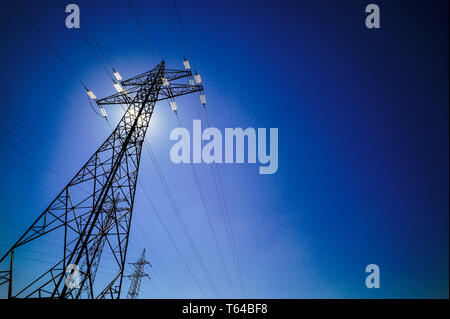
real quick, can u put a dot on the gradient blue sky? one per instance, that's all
(363, 138)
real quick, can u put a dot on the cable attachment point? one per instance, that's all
(174, 107)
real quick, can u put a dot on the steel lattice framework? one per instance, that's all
(137, 275)
(92, 214)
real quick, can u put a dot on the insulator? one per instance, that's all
(203, 99)
(117, 76)
(103, 111)
(173, 105)
(165, 81)
(91, 94)
(191, 82)
(118, 87)
(198, 79)
(187, 66)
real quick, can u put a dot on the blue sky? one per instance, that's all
(363, 139)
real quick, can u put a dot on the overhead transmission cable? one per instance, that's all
(227, 222)
(175, 29)
(101, 57)
(181, 221)
(98, 57)
(186, 231)
(165, 186)
(96, 54)
(101, 52)
(157, 260)
(142, 31)
(18, 124)
(114, 70)
(98, 45)
(193, 169)
(172, 240)
(166, 283)
(208, 217)
(69, 67)
(218, 183)
(153, 269)
(183, 32)
(180, 218)
(58, 54)
(37, 161)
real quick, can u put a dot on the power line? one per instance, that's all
(21, 228)
(181, 220)
(30, 157)
(18, 150)
(226, 218)
(84, 37)
(98, 45)
(183, 32)
(93, 108)
(155, 163)
(165, 283)
(157, 260)
(13, 134)
(102, 53)
(174, 28)
(165, 186)
(208, 217)
(153, 287)
(224, 211)
(177, 212)
(171, 239)
(64, 61)
(98, 58)
(57, 53)
(227, 221)
(91, 47)
(18, 124)
(95, 53)
(99, 55)
(142, 31)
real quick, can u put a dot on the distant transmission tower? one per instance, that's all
(136, 276)
(91, 216)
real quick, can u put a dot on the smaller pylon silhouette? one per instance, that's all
(136, 276)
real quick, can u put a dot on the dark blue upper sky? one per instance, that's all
(363, 137)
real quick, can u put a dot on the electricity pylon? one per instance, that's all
(136, 276)
(91, 216)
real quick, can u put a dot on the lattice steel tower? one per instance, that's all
(91, 216)
(136, 276)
